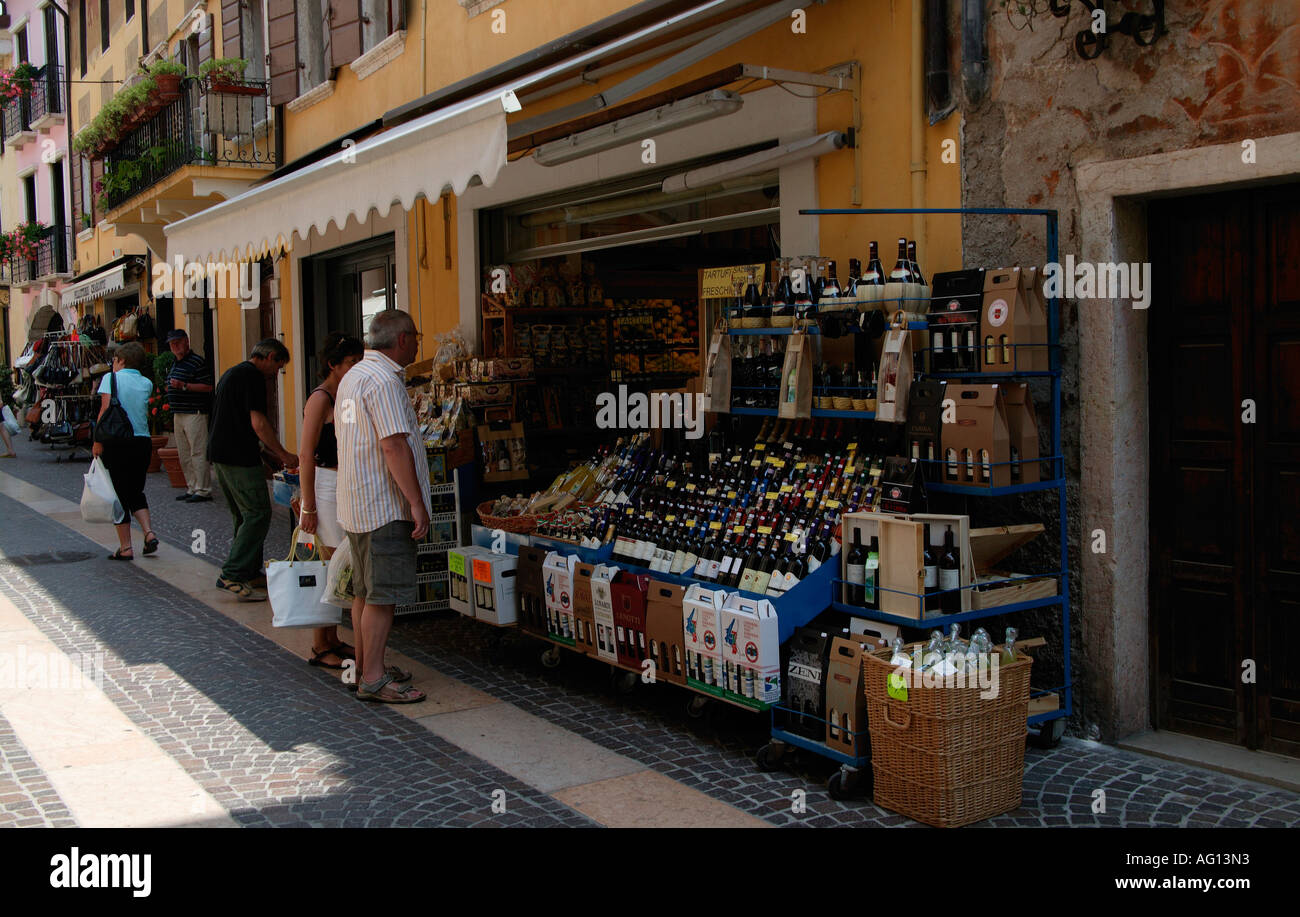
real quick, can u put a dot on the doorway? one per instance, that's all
(1224, 345)
(342, 291)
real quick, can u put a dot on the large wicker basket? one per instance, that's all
(518, 525)
(947, 756)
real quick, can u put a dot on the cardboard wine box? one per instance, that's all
(584, 613)
(1022, 433)
(494, 578)
(532, 595)
(702, 632)
(557, 575)
(954, 321)
(751, 650)
(460, 594)
(629, 594)
(846, 701)
(1040, 357)
(803, 683)
(976, 445)
(602, 610)
(1012, 331)
(902, 485)
(895, 377)
(663, 621)
(923, 435)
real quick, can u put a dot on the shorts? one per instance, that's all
(328, 530)
(383, 565)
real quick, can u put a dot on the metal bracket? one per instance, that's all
(1144, 28)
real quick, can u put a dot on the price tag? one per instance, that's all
(810, 495)
(832, 504)
(787, 488)
(456, 563)
(671, 484)
(851, 446)
(770, 495)
(630, 511)
(897, 686)
(731, 495)
(755, 464)
(670, 518)
(737, 530)
(759, 447)
(690, 487)
(715, 526)
(711, 492)
(800, 466)
(791, 536)
(735, 458)
(788, 446)
(848, 469)
(648, 515)
(690, 523)
(765, 530)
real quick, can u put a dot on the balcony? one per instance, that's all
(37, 110)
(226, 126)
(53, 259)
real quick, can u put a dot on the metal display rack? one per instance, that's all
(1051, 723)
(431, 554)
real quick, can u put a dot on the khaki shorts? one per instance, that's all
(383, 565)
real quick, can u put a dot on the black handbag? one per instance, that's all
(114, 428)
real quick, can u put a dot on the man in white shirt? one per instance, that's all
(383, 497)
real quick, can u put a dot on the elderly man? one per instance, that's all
(189, 395)
(383, 497)
(239, 423)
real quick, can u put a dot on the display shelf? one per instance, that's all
(939, 487)
(1013, 374)
(422, 608)
(942, 621)
(437, 547)
(819, 748)
(816, 412)
(811, 329)
(425, 578)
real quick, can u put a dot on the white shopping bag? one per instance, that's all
(338, 588)
(10, 421)
(296, 587)
(99, 501)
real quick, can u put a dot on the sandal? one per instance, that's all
(383, 692)
(118, 555)
(319, 658)
(150, 542)
(343, 651)
(397, 675)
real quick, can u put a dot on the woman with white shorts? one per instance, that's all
(318, 462)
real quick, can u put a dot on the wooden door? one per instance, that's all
(1225, 563)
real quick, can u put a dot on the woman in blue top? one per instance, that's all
(128, 463)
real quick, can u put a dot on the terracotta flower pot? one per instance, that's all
(172, 465)
(169, 85)
(235, 89)
(155, 460)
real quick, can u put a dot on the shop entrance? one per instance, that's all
(1225, 479)
(342, 291)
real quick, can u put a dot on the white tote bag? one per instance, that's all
(99, 501)
(338, 588)
(10, 421)
(296, 587)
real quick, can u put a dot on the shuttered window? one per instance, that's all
(356, 26)
(232, 44)
(282, 40)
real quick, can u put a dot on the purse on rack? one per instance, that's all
(114, 427)
(144, 327)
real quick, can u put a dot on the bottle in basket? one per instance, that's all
(1008, 654)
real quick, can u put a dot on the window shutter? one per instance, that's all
(77, 207)
(282, 39)
(345, 32)
(232, 39)
(96, 175)
(205, 41)
(399, 15)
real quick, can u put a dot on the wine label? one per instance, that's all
(856, 574)
(813, 564)
(931, 577)
(949, 579)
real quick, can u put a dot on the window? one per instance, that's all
(21, 39)
(51, 38)
(29, 192)
(87, 196)
(81, 35)
(379, 19)
(130, 8)
(103, 26)
(312, 50)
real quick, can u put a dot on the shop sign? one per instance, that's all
(720, 282)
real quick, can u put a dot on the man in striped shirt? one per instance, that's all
(383, 497)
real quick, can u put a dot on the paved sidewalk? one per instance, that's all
(273, 741)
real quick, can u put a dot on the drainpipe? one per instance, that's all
(74, 219)
(918, 125)
(974, 50)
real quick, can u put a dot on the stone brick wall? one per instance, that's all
(1226, 71)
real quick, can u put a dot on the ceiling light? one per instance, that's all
(672, 116)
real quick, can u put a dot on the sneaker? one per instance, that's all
(184, 498)
(241, 591)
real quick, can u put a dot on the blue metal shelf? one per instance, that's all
(942, 621)
(939, 487)
(813, 329)
(1006, 375)
(816, 412)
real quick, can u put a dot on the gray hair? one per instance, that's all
(386, 326)
(270, 347)
(132, 354)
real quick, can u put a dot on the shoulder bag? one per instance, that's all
(114, 428)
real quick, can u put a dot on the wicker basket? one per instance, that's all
(947, 756)
(518, 525)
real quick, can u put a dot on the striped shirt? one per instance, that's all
(370, 406)
(193, 368)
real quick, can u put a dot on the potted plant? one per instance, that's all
(160, 413)
(226, 75)
(85, 220)
(167, 75)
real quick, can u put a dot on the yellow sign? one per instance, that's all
(720, 282)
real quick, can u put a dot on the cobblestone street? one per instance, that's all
(211, 696)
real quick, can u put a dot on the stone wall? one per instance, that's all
(1226, 71)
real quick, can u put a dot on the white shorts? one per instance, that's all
(328, 530)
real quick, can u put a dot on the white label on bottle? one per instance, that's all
(931, 577)
(701, 567)
(857, 574)
(813, 564)
(790, 581)
(713, 569)
(949, 579)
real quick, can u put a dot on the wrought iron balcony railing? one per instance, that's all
(46, 97)
(53, 256)
(209, 124)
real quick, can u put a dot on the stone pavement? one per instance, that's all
(256, 737)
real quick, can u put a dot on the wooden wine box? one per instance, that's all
(991, 545)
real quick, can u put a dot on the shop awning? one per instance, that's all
(444, 149)
(95, 287)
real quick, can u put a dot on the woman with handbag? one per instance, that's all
(8, 425)
(318, 463)
(122, 441)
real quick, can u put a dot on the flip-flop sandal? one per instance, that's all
(118, 555)
(319, 659)
(150, 542)
(344, 651)
(402, 695)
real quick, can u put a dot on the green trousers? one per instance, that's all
(250, 506)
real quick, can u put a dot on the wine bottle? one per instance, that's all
(931, 574)
(870, 598)
(901, 273)
(874, 276)
(911, 261)
(855, 572)
(950, 575)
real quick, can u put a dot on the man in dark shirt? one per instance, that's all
(239, 422)
(189, 395)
